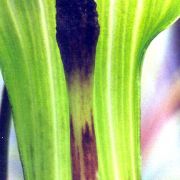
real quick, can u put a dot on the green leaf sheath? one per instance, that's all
(126, 29)
(33, 74)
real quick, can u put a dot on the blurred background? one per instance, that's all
(160, 111)
(160, 107)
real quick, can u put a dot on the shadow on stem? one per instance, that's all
(5, 116)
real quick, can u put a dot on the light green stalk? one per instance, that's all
(33, 74)
(126, 29)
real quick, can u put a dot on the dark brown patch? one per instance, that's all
(77, 34)
(75, 160)
(90, 152)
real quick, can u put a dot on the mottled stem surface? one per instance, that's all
(77, 33)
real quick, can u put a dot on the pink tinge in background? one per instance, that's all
(160, 132)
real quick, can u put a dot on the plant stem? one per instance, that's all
(126, 29)
(83, 143)
(34, 77)
(77, 33)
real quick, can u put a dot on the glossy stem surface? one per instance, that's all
(126, 29)
(33, 74)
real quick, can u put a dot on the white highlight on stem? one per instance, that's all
(109, 100)
(51, 84)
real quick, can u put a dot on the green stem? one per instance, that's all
(33, 74)
(117, 121)
(126, 29)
